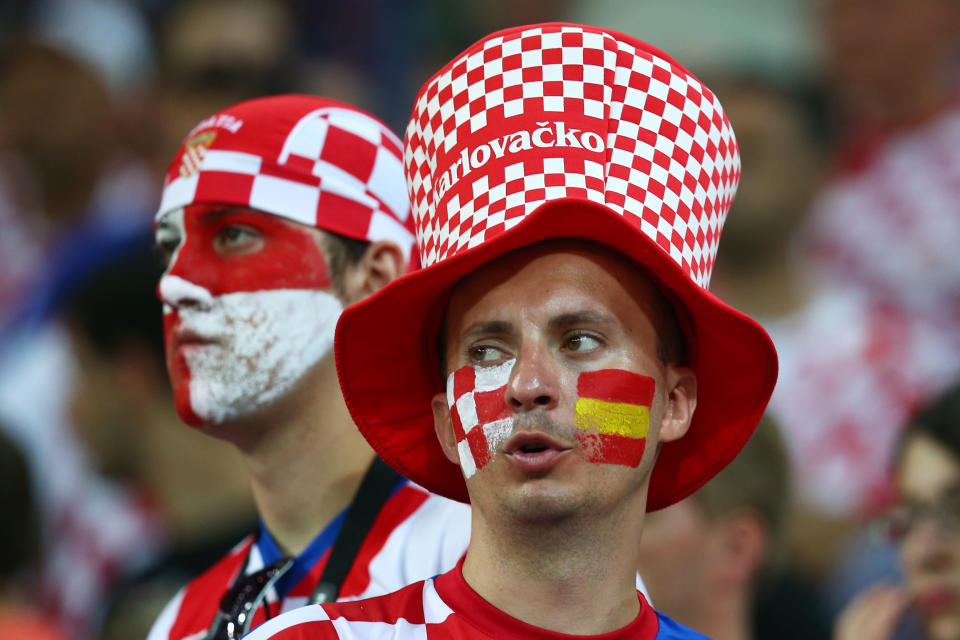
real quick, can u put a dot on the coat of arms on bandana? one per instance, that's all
(193, 152)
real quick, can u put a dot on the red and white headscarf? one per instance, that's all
(313, 160)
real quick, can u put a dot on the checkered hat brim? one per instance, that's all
(313, 160)
(551, 131)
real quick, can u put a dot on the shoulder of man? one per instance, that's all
(672, 630)
(416, 536)
(351, 619)
(193, 607)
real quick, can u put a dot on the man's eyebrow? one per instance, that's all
(574, 318)
(224, 210)
(490, 327)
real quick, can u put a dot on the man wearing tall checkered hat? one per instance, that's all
(558, 362)
(277, 213)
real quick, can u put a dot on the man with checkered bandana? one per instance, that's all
(276, 214)
(558, 362)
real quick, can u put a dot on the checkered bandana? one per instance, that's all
(312, 160)
(540, 113)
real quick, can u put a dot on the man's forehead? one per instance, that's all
(569, 268)
(559, 319)
(214, 211)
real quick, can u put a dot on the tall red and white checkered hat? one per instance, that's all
(313, 160)
(560, 131)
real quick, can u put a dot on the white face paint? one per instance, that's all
(247, 309)
(476, 397)
(260, 345)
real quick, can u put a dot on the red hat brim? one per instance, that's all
(388, 357)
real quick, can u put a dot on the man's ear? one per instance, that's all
(443, 425)
(381, 263)
(744, 539)
(681, 401)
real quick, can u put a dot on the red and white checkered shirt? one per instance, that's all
(416, 535)
(443, 607)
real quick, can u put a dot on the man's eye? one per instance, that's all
(166, 243)
(237, 239)
(482, 354)
(581, 343)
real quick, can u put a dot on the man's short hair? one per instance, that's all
(939, 420)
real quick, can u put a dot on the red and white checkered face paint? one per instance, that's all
(247, 309)
(312, 160)
(482, 421)
(611, 414)
(567, 111)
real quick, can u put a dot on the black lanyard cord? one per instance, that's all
(376, 488)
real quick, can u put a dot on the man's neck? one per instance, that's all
(306, 462)
(574, 577)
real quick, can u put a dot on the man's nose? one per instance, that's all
(926, 547)
(533, 381)
(179, 293)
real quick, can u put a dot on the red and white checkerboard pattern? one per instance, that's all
(332, 167)
(480, 415)
(416, 611)
(662, 153)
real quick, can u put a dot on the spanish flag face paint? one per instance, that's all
(613, 415)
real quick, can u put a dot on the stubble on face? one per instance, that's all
(579, 487)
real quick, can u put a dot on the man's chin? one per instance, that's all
(184, 407)
(541, 502)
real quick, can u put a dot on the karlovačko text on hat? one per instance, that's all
(560, 131)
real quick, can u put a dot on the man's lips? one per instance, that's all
(533, 451)
(183, 337)
(936, 600)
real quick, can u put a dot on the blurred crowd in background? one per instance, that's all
(843, 241)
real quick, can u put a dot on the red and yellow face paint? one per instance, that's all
(613, 415)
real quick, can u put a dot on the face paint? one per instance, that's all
(613, 415)
(254, 325)
(228, 249)
(481, 418)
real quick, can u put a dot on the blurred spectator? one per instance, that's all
(706, 558)
(773, 40)
(85, 393)
(19, 549)
(881, 332)
(123, 410)
(782, 154)
(92, 531)
(57, 144)
(52, 130)
(60, 163)
(215, 53)
(927, 524)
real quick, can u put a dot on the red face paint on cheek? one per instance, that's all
(613, 415)
(289, 257)
(178, 370)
